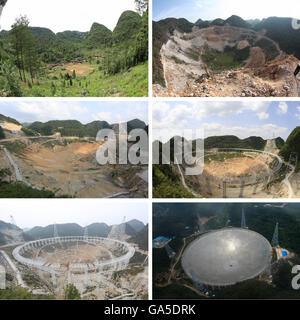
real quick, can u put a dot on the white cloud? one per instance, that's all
(263, 115)
(224, 108)
(177, 117)
(282, 108)
(43, 111)
(298, 113)
(199, 5)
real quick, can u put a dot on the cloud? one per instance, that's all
(170, 120)
(166, 116)
(298, 113)
(112, 112)
(225, 108)
(263, 115)
(176, 117)
(199, 5)
(43, 111)
(282, 108)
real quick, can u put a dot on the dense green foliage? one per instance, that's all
(34, 61)
(99, 36)
(281, 31)
(8, 119)
(256, 143)
(19, 190)
(269, 48)
(237, 21)
(141, 238)
(166, 184)
(68, 128)
(72, 293)
(29, 132)
(2, 135)
(279, 142)
(229, 59)
(72, 36)
(292, 144)
(75, 128)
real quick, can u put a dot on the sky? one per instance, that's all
(30, 213)
(240, 118)
(192, 10)
(61, 15)
(83, 111)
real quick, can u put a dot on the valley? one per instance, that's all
(58, 164)
(234, 168)
(221, 59)
(97, 63)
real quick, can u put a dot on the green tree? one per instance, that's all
(53, 89)
(18, 37)
(2, 135)
(9, 82)
(32, 60)
(72, 293)
(74, 74)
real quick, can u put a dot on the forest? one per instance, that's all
(34, 61)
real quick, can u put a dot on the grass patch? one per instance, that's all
(131, 83)
(221, 157)
(229, 59)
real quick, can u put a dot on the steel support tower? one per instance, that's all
(275, 241)
(243, 223)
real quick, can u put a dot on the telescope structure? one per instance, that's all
(24, 255)
(226, 257)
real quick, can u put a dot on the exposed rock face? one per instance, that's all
(275, 79)
(192, 64)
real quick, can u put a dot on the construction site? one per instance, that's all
(67, 166)
(205, 261)
(243, 173)
(101, 268)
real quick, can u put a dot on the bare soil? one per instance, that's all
(234, 166)
(80, 69)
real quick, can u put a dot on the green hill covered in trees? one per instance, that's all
(34, 61)
(292, 144)
(76, 128)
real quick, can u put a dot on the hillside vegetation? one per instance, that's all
(34, 61)
(76, 128)
(291, 145)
